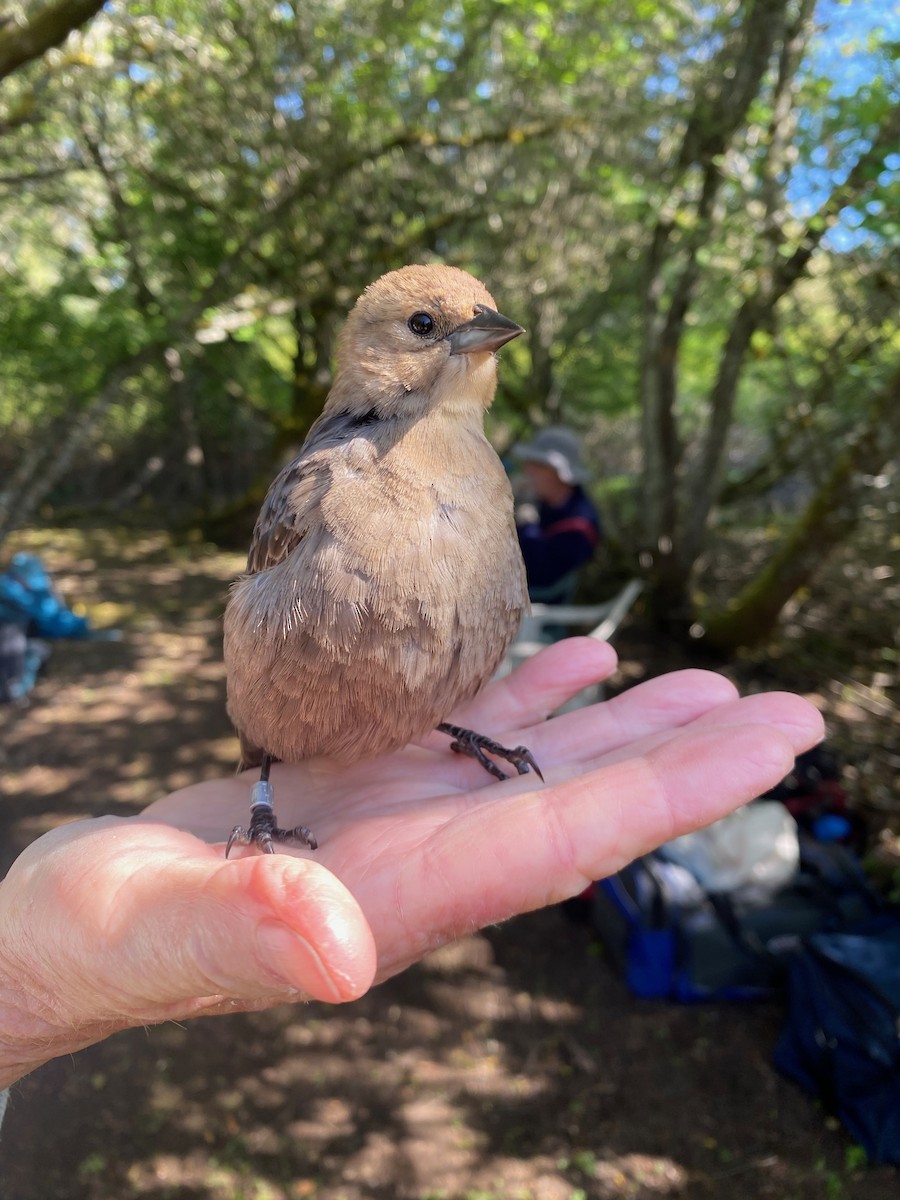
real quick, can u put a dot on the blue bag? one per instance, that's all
(841, 1041)
(27, 599)
(671, 939)
(30, 610)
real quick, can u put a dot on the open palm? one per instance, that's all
(144, 920)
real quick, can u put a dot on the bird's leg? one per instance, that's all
(465, 741)
(263, 829)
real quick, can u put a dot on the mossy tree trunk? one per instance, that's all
(828, 519)
(683, 467)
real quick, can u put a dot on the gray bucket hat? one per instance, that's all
(559, 448)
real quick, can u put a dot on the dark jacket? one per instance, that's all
(555, 547)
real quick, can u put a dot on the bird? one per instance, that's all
(384, 579)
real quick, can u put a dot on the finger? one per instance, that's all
(522, 851)
(568, 747)
(799, 720)
(141, 921)
(539, 686)
(658, 709)
(793, 717)
(667, 702)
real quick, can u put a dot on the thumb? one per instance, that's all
(126, 921)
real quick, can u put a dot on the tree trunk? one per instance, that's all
(758, 310)
(20, 506)
(719, 111)
(828, 519)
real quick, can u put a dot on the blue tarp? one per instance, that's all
(30, 610)
(841, 1041)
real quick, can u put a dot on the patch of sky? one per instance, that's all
(662, 85)
(845, 51)
(665, 81)
(138, 73)
(842, 238)
(290, 105)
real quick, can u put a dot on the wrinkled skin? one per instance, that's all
(114, 922)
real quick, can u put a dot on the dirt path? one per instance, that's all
(511, 1065)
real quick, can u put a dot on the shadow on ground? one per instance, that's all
(512, 1064)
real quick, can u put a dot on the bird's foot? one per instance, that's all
(476, 745)
(263, 830)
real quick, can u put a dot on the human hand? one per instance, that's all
(116, 922)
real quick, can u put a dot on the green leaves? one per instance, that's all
(222, 181)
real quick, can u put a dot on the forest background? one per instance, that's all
(693, 208)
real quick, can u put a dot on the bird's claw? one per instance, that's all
(258, 836)
(523, 760)
(463, 746)
(265, 838)
(466, 741)
(263, 830)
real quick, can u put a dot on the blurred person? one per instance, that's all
(560, 533)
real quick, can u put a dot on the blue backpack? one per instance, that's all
(30, 610)
(841, 1041)
(671, 939)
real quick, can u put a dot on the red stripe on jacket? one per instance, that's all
(572, 525)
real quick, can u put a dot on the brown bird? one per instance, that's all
(384, 581)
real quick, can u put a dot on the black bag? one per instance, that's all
(815, 797)
(664, 935)
(841, 1041)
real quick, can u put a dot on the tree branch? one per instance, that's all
(772, 285)
(21, 44)
(121, 221)
(737, 72)
(35, 176)
(828, 519)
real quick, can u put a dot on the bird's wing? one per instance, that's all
(292, 502)
(284, 517)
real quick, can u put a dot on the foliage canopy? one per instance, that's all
(693, 209)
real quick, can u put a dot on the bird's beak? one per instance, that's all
(487, 331)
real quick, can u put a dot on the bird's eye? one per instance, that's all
(421, 323)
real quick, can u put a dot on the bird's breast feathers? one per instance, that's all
(395, 590)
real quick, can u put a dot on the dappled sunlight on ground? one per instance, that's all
(112, 726)
(511, 1065)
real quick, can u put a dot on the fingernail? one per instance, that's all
(292, 960)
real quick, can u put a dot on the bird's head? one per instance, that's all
(420, 338)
